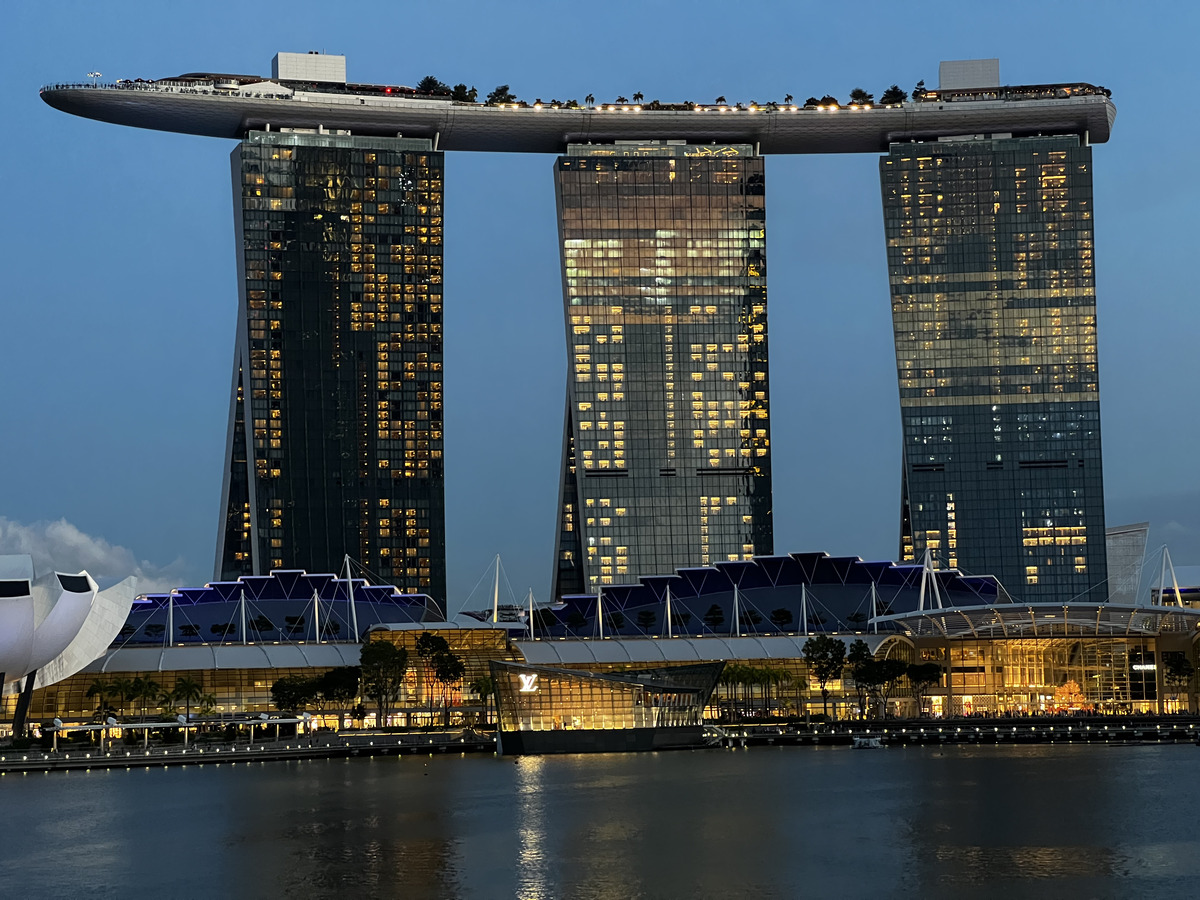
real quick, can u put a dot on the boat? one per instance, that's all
(867, 742)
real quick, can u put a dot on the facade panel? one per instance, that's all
(335, 440)
(991, 266)
(667, 452)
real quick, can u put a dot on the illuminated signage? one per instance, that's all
(528, 682)
(1144, 667)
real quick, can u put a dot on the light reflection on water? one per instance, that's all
(1048, 821)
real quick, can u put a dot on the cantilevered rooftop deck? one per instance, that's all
(230, 108)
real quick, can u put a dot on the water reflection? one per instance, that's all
(1052, 821)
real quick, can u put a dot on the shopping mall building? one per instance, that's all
(998, 656)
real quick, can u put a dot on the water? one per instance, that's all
(1045, 821)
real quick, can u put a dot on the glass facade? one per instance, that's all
(666, 459)
(1036, 676)
(991, 265)
(335, 434)
(535, 698)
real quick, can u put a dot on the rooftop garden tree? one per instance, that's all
(431, 85)
(893, 95)
(812, 101)
(781, 617)
(828, 100)
(861, 97)
(646, 619)
(463, 94)
(714, 617)
(501, 95)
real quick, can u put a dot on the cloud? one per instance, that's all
(63, 547)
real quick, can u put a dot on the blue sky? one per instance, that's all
(119, 291)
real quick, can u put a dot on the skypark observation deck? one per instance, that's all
(231, 106)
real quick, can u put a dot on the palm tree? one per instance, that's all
(123, 689)
(787, 99)
(484, 687)
(720, 101)
(207, 704)
(145, 690)
(622, 99)
(98, 689)
(589, 100)
(187, 690)
(637, 98)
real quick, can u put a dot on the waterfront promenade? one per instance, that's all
(893, 733)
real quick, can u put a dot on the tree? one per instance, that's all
(484, 687)
(856, 618)
(787, 99)
(918, 93)
(430, 646)
(590, 100)
(187, 690)
(861, 97)
(893, 95)
(616, 620)
(781, 617)
(646, 619)
(383, 666)
(225, 630)
(638, 97)
(447, 669)
(714, 617)
(431, 85)
(292, 693)
(261, 624)
(576, 620)
(622, 99)
(753, 616)
(146, 690)
(463, 94)
(812, 101)
(828, 100)
(888, 673)
(123, 689)
(338, 686)
(720, 101)
(501, 95)
(98, 688)
(860, 658)
(1177, 671)
(544, 620)
(923, 676)
(208, 704)
(826, 657)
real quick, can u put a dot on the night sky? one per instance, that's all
(119, 294)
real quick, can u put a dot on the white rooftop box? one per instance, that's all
(311, 66)
(968, 73)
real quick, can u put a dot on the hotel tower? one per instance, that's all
(990, 248)
(335, 424)
(666, 459)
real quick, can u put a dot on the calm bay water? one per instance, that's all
(1046, 821)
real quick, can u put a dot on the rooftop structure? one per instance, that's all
(310, 91)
